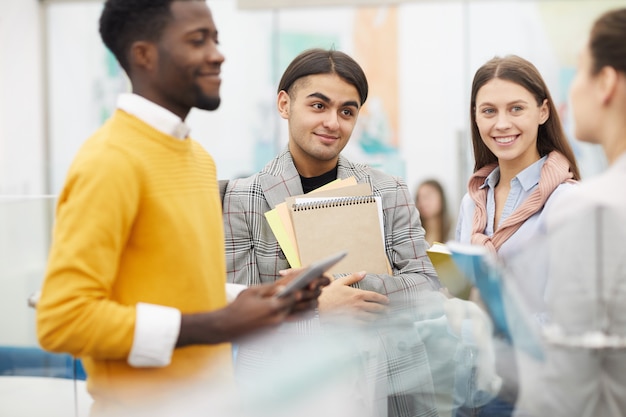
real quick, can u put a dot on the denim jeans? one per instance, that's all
(494, 408)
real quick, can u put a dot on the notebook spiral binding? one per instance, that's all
(335, 202)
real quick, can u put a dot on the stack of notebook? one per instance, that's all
(341, 216)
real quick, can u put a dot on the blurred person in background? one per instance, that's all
(430, 200)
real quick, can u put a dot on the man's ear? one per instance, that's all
(143, 55)
(282, 103)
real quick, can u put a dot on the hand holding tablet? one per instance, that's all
(315, 270)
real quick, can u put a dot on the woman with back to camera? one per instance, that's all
(584, 371)
(430, 200)
(522, 160)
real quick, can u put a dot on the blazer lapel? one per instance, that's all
(348, 169)
(280, 179)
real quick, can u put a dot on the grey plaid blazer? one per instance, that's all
(253, 255)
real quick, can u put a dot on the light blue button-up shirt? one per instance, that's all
(515, 248)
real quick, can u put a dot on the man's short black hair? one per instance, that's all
(123, 22)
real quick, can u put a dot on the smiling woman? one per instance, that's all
(507, 117)
(522, 160)
(518, 140)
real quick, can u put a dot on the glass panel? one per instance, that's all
(32, 382)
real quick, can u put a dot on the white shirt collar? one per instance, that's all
(151, 113)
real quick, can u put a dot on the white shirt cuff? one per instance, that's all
(156, 331)
(233, 290)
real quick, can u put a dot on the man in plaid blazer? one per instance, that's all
(320, 95)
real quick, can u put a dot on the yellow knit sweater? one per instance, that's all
(138, 220)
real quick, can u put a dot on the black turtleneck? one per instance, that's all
(313, 183)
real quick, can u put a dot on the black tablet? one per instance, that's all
(310, 273)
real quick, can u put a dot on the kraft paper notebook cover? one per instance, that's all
(325, 226)
(279, 218)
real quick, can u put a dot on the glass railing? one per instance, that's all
(33, 382)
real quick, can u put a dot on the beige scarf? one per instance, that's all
(554, 172)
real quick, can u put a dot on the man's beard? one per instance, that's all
(205, 102)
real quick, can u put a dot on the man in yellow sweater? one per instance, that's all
(135, 283)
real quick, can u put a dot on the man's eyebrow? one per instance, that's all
(327, 100)
(205, 31)
(321, 96)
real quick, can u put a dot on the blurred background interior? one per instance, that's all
(58, 84)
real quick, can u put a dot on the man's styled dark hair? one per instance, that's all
(321, 61)
(123, 22)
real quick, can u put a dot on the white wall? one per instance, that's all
(432, 95)
(21, 99)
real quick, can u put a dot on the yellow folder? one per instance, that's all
(449, 274)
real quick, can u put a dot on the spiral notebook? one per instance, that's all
(328, 225)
